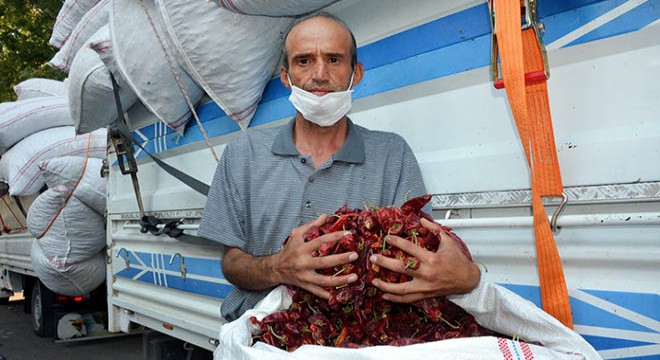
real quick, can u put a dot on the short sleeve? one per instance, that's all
(223, 218)
(411, 183)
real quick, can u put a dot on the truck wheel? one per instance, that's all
(42, 310)
(5, 295)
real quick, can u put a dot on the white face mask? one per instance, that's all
(323, 110)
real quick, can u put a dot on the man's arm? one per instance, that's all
(294, 265)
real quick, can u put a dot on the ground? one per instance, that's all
(18, 341)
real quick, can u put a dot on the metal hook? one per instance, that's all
(562, 205)
(189, 350)
(449, 213)
(183, 267)
(175, 255)
(126, 258)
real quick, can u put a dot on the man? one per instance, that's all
(273, 184)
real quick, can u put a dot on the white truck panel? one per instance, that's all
(15, 253)
(604, 97)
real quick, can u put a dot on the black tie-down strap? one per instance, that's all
(170, 228)
(150, 223)
(120, 127)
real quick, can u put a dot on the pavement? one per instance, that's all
(18, 341)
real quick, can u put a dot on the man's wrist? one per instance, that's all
(272, 269)
(474, 278)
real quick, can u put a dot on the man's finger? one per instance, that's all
(302, 229)
(396, 265)
(408, 247)
(430, 225)
(399, 292)
(329, 261)
(403, 298)
(331, 281)
(317, 290)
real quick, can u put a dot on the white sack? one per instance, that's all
(65, 172)
(135, 39)
(73, 280)
(232, 56)
(19, 165)
(493, 306)
(273, 8)
(91, 98)
(38, 87)
(68, 17)
(26, 117)
(93, 20)
(68, 231)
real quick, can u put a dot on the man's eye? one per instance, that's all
(334, 60)
(303, 61)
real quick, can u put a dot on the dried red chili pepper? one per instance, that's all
(411, 263)
(356, 315)
(415, 205)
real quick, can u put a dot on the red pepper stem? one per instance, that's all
(455, 327)
(281, 338)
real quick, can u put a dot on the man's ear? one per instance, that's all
(358, 73)
(283, 77)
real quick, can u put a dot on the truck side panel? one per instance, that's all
(428, 79)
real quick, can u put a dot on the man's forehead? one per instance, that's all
(318, 30)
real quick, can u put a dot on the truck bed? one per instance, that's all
(15, 253)
(427, 72)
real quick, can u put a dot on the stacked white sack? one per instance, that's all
(39, 87)
(73, 280)
(22, 118)
(91, 97)
(71, 12)
(80, 175)
(235, 61)
(137, 34)
(19, 165)
(68, 231)
(273, 8)
(93, 20)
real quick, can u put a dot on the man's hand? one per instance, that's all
(445, 272)
(295, 264)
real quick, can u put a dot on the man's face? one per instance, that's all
(319, 56)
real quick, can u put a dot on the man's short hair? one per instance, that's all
(327, 15)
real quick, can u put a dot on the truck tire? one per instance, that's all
(42, 310)
(28, 284)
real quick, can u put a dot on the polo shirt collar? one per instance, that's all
(352, 151)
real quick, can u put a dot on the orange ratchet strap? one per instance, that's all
(524, 75)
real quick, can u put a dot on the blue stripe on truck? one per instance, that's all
(203, 276)
(440, 48)
(616, 313)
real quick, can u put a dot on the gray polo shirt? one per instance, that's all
(263, 187)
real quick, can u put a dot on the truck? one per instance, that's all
(429, 78)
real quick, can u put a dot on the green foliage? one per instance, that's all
(25, 27)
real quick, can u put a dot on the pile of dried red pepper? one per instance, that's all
(356, 315)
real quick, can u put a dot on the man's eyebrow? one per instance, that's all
(335, 54)
(299, 56)
(309, 54)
